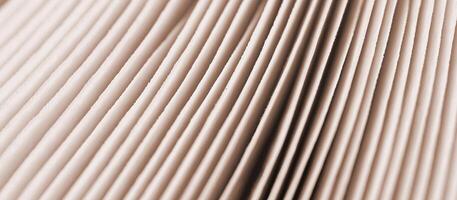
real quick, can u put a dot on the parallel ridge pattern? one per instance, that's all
(149, 99)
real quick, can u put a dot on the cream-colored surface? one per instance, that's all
(209, 99)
